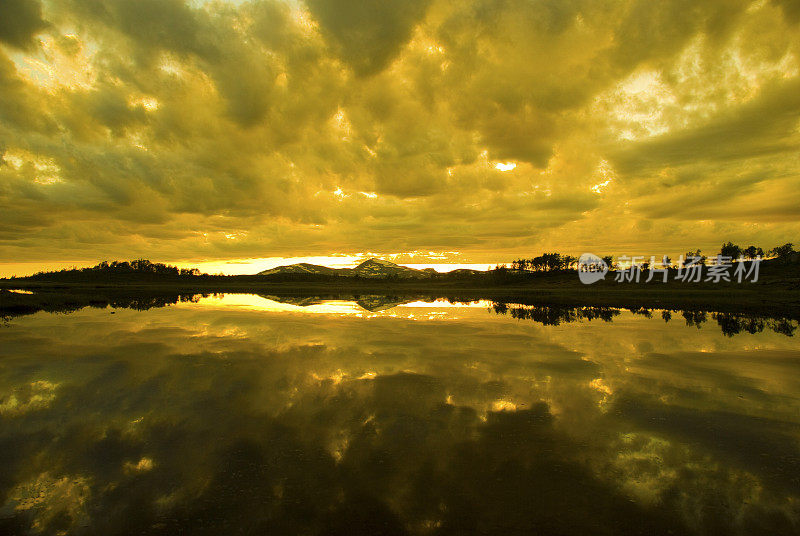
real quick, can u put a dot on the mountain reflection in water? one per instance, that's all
(396, 415)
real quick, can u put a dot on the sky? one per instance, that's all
(235, 135)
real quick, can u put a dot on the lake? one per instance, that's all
(245, 414)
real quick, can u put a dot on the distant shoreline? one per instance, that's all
(773, 295)
(776, 292)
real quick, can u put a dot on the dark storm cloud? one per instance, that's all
(20, 21)
(368, 33)
(153, 24)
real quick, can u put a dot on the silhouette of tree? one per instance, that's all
(782, 252)
(689, 254)
(568, 261)
(729, 249)
(751, 252)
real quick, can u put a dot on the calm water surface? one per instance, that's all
(245, 415)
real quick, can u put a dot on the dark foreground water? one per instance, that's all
(244, 415)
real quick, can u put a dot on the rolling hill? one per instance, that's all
(370, 268)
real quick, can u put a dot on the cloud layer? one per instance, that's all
(189, 130)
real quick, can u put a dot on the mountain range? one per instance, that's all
(372, 268)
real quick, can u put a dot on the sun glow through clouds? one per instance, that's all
(505, 166)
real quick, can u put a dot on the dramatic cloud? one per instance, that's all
(368, 34)
(19, 21)
(181, 130)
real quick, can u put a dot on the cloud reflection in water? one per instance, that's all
(221, 416)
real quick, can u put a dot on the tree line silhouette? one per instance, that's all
(729, 323)
(550, 262)
(136, 269)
